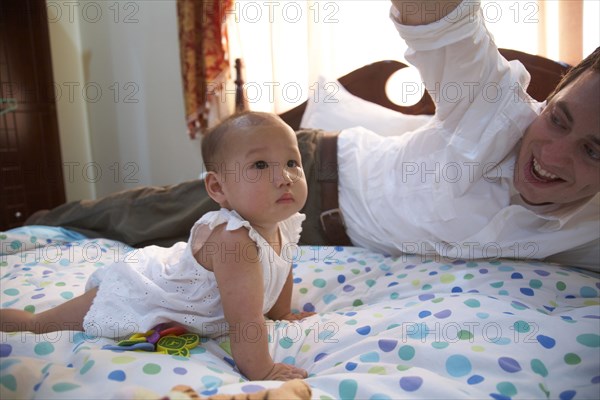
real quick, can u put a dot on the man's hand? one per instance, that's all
(423, 12)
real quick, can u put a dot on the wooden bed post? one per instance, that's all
(241, 103)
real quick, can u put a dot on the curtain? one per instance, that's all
(570, 46)
(285, 45)
(203, 46)
(565, 27)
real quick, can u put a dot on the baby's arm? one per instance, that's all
(282, 309)
(240, 281)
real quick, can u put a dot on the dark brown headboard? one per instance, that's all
(369, 83)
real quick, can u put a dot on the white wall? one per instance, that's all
(130, 89)
(67, 66)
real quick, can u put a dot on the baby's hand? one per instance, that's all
(295, 317)
(285, 372)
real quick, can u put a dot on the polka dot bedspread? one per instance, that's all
(386, 328)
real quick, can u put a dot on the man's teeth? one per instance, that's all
(542, 172)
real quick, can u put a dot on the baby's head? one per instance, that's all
(220, 139)
(254, 166)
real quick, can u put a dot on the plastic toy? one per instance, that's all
(163, 338)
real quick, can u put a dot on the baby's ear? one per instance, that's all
(212, 182)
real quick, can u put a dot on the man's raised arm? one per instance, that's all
(422, 12)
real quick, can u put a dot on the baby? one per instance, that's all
(235, 268)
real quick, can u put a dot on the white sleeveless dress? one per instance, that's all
(156, 285)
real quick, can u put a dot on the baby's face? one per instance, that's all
(262, 172)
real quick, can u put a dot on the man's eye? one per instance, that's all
(556, 120)
(261, 165)
(592, 153)
(292, 164)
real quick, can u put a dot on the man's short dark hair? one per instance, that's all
(590, 62)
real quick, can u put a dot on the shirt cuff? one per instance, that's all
(464, 21)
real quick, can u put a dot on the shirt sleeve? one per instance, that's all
(482, 107)
(291, 228)
(459, 61)
(585, 256)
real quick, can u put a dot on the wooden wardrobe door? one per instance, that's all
(30, 161)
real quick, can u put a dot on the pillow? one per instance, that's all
(333, 108)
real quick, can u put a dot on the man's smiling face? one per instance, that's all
(559, 156)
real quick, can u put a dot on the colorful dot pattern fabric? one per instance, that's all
(386, 328)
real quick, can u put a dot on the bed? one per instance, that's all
(386, 327)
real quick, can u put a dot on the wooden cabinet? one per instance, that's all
(30, 161)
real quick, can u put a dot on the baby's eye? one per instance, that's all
(292, 164)
(261, 165)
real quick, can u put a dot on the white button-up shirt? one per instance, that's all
(447, 188)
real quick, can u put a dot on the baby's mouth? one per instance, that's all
(541, 174)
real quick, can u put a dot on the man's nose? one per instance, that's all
(558, 152)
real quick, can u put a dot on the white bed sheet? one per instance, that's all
(387, 328)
